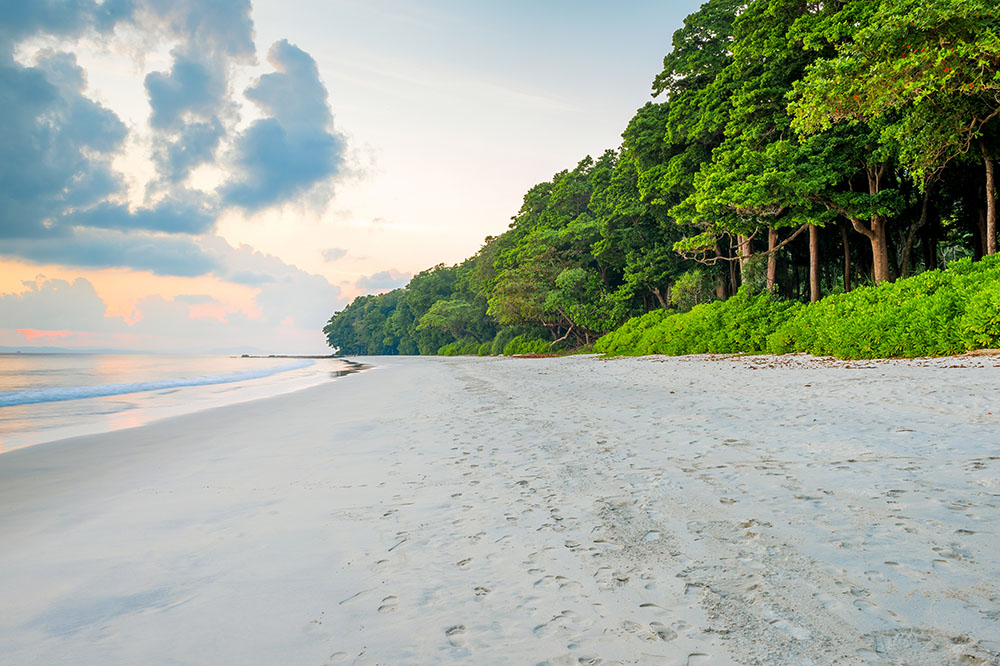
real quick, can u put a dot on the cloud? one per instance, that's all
(92, 248)
(190, 104)
(186, 214)
(58, 305)
(56, 147)
(249, 279)
(19, 20)
(295, 147)
(61, 202)
(222, 26)
(293, 305)
(195, 299)
(383, 281)
(286, 291)
(334, 253)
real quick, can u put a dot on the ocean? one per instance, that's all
(44, 397)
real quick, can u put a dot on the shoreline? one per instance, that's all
(492, 510)
(199, 397)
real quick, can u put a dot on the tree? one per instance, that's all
(928, 71)
(454, 316)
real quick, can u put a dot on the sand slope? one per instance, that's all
(492, 511)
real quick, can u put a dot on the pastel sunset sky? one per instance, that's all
(224, 175)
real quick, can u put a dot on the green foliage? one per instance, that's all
(503, 336)
(932, 314)
(465, 347)
(770, 114)
(740, 324)
(927, 70)
(626, 340)
(454, 316)
(525, 344)
(692, 288)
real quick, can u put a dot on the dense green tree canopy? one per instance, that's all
(873, 124)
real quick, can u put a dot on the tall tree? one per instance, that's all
(928, 72)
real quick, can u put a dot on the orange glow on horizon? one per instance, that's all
(32, 334)
(122, 289)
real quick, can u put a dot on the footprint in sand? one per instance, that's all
(388, 605)
(663, 632)
(454, 634)
(481, 591)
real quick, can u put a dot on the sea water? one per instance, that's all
(44, 397)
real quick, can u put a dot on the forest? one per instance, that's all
(809, 176)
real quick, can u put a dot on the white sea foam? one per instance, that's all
(57, 394)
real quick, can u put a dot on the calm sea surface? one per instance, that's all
(44, 397)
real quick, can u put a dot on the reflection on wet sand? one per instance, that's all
(352, 367)
(39, 422)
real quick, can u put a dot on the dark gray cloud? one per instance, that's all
(60, 199)
(223, 26)
(191, 214)
(190, 104)
(189, 88)
(196, 143)
(93, 248)
(334, 253)
(293, 149)
(383, 280)
(56, 146)
(19, 20)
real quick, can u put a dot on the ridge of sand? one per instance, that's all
(740, 510)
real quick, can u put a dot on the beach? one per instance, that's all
(688, 511)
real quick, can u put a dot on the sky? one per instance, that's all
(224, 175)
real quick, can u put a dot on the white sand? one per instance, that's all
(512, 511)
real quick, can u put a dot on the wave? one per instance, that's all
(31, 396)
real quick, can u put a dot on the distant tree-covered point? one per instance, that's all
(793, 150)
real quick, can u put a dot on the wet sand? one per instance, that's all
(494, 511)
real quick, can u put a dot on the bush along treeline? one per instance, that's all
(793, 150)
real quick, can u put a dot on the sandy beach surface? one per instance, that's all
(686, 511)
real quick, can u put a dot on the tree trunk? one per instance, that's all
(904, 270)
(930, 247)
(880, 248)
(743, 251)
(847, 258)
(772, 260)
(880, 251)
(991, 202)
(875, 231)
(659, 297)
(721, 290)
(814, 287)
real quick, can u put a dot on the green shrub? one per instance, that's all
(464, 347)
(624, 341)
(524, 344)
(486, 349)
(502, 338)
(932, 314)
